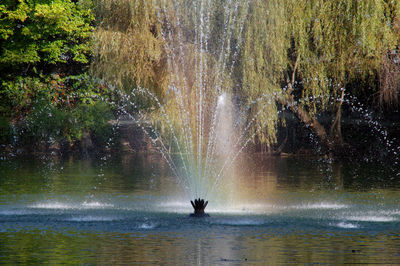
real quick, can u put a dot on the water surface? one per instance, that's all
(131, 210)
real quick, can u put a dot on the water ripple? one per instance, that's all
(62, 205)
(91, 218)
(346, 225)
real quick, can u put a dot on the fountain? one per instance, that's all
(197, 125)
(325, 211)
(199, 205)
(198, 138)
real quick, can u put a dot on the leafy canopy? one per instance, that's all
(301, 49)
(38, 34)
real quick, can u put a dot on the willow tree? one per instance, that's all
(312, 50)
(157, 45)
(297, 54)
(128, 45)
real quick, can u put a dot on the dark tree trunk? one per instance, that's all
(336, 129)
(308, 120)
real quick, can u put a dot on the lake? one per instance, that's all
(129, 209)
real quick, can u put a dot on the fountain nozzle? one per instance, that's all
(199, 205)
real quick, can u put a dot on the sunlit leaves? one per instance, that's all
(316, 47)
(310, 49)
(128, 48)
(46, 32)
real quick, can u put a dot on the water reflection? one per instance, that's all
(131, 209)
(39, 247)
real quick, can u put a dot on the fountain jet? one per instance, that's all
(201, 142)
(199, 205)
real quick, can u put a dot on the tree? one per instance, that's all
(44, 37)
(314, 50)
(42, 43)
(46, 94)
(295, 54)
(128, 45)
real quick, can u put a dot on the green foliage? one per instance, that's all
(4, 129)
(49, 123)
(20, 95)
(92, 118)
(264, 63)
(45, 94)
(302, 49)
(36, 35)
(55, 109)
(128, 45)
(46, 121)
(324, 43)
(341, 41)
(314, 49)
(17, 96)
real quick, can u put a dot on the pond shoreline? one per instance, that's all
(293, 140)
